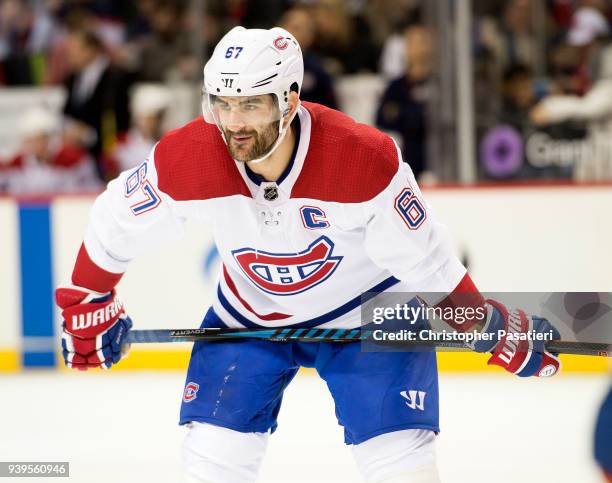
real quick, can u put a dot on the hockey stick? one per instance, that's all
(338, 336)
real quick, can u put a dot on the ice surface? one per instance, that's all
(121, 427)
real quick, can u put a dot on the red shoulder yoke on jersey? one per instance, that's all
(347, 162)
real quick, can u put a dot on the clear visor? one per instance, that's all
(251, 126)
(238, 113)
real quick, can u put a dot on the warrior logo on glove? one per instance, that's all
(519, 355)
(99, 317)
(94, 329)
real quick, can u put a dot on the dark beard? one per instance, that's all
(261, 145)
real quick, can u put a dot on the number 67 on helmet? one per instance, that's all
(246, 64)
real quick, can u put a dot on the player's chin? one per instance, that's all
(238, 153)
(241, 151)
(241, 156)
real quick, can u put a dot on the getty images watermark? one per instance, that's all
(415, 316)
(409, 321)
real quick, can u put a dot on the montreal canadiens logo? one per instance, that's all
(280, 43)
(289, 274)
(191, 391)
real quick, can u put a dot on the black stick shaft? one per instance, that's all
(336, 335)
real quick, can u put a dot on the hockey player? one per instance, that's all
(309, 210)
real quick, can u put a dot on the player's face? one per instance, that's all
(250, 124)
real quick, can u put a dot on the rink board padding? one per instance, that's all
(39, 248)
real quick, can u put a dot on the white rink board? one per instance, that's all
(517, 239)
(10, 316)
(532, 239)
(121, 427)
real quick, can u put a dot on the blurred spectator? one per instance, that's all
(518, 95)
(139, 24)
(392, 61)
(589, 34)
(392, 58)
(402, 110)
(96, 106)
(343, 42)
(510, 41)
(25, 34)
(167, 51)
(44, 164)
(318, 84)
(564, 60)
(388, 17)
(58, 67)
(148, 107)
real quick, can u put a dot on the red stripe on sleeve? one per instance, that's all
(465, 296)
(88, 275)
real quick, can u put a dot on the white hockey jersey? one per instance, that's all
(345, 218)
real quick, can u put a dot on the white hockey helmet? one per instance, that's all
(253, 62)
